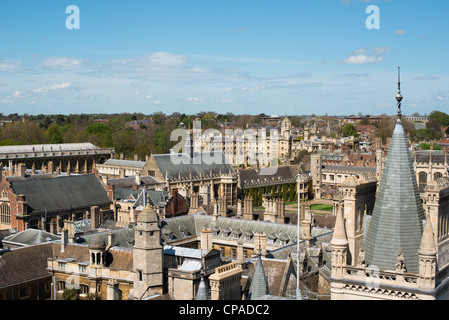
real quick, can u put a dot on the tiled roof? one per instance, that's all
(125, 163)
(396, 222)
(129, 182)
(48, 148)
(31, 237)
(24, 264)
(62, 193)
(259, 282)
(183, 166)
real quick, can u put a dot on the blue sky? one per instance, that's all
(242, 56)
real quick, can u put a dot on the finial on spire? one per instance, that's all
(399, 96)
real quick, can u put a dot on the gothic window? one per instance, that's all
(84, 289)
(437, 175)
(139, 272)
(61, 285)
(422, 177)
(24, 292)
(5, 214)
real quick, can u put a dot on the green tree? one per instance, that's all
(71, 294)
(54, 134)
(349, 130)
(422, 135)
(441, 117)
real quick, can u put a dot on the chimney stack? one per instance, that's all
(64, 238)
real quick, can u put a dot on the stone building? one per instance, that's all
(282, 184)
(44, 202)
(23, 275)
(400, 257)
(55, 158)
(207, 174)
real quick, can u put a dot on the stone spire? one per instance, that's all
(428, 241)
(202, 290)
(396, 222)
(339, 238)
(259, 283)
(339, 245)
(427, 258)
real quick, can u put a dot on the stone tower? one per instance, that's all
(147, 255)
(316, 168)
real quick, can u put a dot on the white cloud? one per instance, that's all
(441, 98)
(364, 56)
(400, 31)
(426, 77)
(62, 63)
(194, 100)
(8, 66)
(16, 94)
(53, 87)
(156, 102)
(166, 59)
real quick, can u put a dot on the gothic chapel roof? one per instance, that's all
(397, 219)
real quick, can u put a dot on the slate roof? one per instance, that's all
(259, 282)
(283, 174)
(425, 156)
(207, 163)
(202, 293)
(227, 226)
(30, 237)
(125, 163)
(396, 222)
(62, 193)
(128, 182)
(4, 150)
(24, 264)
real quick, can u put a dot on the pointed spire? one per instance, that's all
(399, 95)
(339, 238)
(202, 293)
(259, 283)
(428, 240)
(396, 221)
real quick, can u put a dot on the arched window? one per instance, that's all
(422, 181)
(437, 175)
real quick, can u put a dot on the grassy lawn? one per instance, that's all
(323, 207)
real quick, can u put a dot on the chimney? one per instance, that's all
(52, 226)
(240, 251)
(111, 239)
(10, 168)
(239, 208)
(111, 192)
(21, 204)
(95, 217)
(51, 167)
(136, 157)
(70, 227)
(64, 238)
(206, 238)
(22, 169)
(137, 179)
